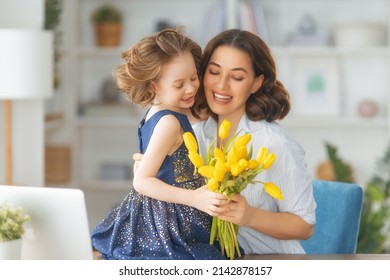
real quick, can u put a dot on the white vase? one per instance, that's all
(11, 250)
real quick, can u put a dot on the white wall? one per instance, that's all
(22, 13)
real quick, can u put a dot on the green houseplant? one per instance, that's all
(12, 228)
(107, 20)
(12, 222)
(374, 225)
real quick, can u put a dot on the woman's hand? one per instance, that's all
(237, 211)
(280, 225)
(207, 201)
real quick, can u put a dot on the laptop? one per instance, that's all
(58, 228)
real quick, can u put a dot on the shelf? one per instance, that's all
(109, 121)
(100, 52)
(54, 121)
(291, 51)
(51, 125)
(334, 122)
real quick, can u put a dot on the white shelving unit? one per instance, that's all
(362, 73)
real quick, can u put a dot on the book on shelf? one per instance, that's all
(246, 17)
(252, 17)
(261, 23)
(214, 22)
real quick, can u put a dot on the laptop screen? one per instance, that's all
(58, 228)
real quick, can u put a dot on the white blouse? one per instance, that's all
(289, 172)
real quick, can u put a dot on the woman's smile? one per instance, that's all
(221, 97)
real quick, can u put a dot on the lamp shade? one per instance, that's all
(26, 64)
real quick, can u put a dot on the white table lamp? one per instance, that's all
(26, 72)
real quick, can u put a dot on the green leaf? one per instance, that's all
(208, 152)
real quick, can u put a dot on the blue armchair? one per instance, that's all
(338, 214)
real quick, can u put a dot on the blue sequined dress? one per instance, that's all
(146, 228)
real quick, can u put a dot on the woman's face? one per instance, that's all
(229, 80)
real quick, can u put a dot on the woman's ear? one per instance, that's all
(257, 83)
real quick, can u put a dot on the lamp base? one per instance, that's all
(8, 141)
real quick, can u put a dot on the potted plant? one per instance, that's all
(374, 228)
(107, 20)
(12, 222)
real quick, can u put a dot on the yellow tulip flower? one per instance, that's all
(269, 160)
(220, 170)
(242, 152)
(218, 154)
(207, 171)
(261, 155)
(190, 142)
(252, 164)
(224, 129)
(232, 156)
(242, 140)
(243, 164)
(239, 167)
(195, 158)
(273, 190)
(212, 184)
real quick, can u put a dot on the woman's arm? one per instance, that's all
(280, 225)
(166, 138)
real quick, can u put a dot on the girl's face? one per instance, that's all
(229, 80)
(178, 84)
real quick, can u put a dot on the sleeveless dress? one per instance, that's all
(142, 228)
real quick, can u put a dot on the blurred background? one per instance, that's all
(332, 55)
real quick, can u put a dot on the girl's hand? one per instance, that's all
(208, 201)
(202, 198)
(237, 211)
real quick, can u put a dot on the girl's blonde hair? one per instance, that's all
(143, 62)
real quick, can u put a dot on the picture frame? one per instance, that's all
(316, 89)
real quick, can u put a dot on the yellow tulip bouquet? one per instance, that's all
(229, 169)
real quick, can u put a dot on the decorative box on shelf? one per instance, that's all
(57, 164)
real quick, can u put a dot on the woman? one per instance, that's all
(240, 85)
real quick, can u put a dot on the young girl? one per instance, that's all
(153, 221)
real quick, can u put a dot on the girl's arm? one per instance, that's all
(280, 225)
(166, 138)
